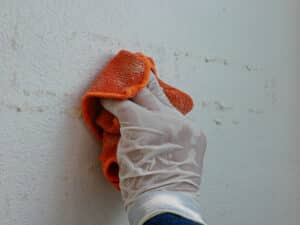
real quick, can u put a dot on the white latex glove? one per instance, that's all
(160, 156)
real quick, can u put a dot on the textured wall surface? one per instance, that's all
(238, 59)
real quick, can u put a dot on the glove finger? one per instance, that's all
(124, 110)
(157, 91)
(147, 100)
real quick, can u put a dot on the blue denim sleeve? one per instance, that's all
(169, 219)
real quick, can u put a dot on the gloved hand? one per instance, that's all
(160, 156)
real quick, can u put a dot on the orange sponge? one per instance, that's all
(122, 78)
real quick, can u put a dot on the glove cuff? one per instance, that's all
(154, 203)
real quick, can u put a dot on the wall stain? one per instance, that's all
(256, 111)
(10, 106)
(18, 108)
(38, 93)
(204, 104)
(8, 206)
(73, 34)
(270, 89)
(50, 93)
(176, 54)
(13, 44)
(24, 197)
(216, 60)
(13, 81)
(13, 41)
(216, 105)
(273, 88)
(39, 109)
(250, 68)
(39, 36)
(74, 112)
(95, 167)
(221, 107)
(235, 122)
(113, 45)
(26, 92)
(218, 122)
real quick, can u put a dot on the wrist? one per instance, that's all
(151, 204)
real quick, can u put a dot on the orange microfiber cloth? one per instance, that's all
(122, 78)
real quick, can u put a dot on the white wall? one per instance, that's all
(243, 55)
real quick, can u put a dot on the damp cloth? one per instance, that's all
(122, 78)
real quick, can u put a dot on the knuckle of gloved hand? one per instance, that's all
(202, 137)
(177, 129)
(200, 140)
(130, 134)
(196, 131)
(127, 114)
